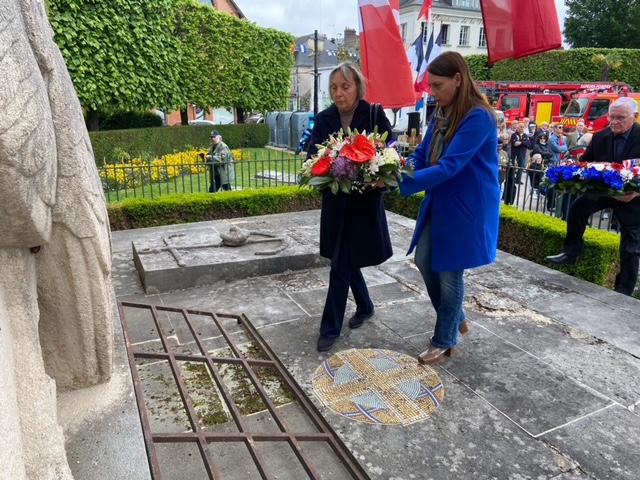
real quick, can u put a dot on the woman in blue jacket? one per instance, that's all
(456, 165)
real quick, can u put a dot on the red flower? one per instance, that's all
(321, 167)
(617, 166)
(361, 150)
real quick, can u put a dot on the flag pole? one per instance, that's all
(315, 73)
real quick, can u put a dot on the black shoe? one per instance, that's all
(357, 320)
(325, 343)
(562, 259)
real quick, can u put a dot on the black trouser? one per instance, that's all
(509, 192)
(343, 276)
(579, 212)
(216, 184)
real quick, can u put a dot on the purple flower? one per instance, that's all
(344, 168)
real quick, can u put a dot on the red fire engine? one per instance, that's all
(544, 100)
(592, 108)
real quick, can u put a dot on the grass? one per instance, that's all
(249, 174)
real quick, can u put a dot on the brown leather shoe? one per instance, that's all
(463, 327)
(435, 355)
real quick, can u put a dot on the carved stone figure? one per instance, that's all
(56, 298)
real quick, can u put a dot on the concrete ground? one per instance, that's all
(546, 385)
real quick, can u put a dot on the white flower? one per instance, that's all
(627, 175)
(390, 156)
(599, 166)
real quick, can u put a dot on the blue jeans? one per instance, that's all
(446, 291)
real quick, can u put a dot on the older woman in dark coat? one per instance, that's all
(353, 227)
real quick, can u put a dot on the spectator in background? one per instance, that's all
(575, 135)
(503, 165)
(558, 143)
(519, 143)
(503, 134)
(544, 128)
(543, 148)
(221, 160)
(535, 171)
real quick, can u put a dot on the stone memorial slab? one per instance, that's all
(221, 253)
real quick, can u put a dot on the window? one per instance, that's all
(598, 109)
(445, 34)
(509, 103)
(466, 4)
(403, 31)
(424, 29)
(482, 38)
(464, 35)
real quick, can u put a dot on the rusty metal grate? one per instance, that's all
(157, 341)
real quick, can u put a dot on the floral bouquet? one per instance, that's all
(595, 179)
(353, 162)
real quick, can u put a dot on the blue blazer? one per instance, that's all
(462, 194)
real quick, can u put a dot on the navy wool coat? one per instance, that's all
(359, 216)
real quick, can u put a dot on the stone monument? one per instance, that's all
(56, 300)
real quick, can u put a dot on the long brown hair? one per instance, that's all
(467, 95)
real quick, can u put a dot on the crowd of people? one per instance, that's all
(530, 150)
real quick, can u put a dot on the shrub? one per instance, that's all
(126, 120)
(161, 141)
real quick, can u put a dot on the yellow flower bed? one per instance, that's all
(137, 172)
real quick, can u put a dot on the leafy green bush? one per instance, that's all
(126, 120)
(533, 236)
(157, 142)
(197, 207)
(560, 65)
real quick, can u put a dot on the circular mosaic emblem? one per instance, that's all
(378, 386)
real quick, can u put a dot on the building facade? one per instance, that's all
(459, 20)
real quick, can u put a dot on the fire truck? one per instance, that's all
(592, 108)
(544, 100)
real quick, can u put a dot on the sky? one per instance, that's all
(302, 17)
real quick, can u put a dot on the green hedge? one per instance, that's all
(528, 235)
(156, 142)
(198, 207)
(533, 236)
(559, 65)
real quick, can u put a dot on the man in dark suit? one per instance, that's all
(620, 141)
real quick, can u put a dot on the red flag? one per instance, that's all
(384, 59)
(426, 9)
(517, 28)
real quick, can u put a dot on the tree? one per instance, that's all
(231, 62)
(137, 55)
(603, 23)
(609, 64)
(121, 54)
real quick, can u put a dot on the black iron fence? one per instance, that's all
(187, 173)
(175, 175)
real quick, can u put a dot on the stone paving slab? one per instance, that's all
(605, 444)
(546, 384)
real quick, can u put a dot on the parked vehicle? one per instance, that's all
(201, 122)
(543, 100)
(592, 108)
